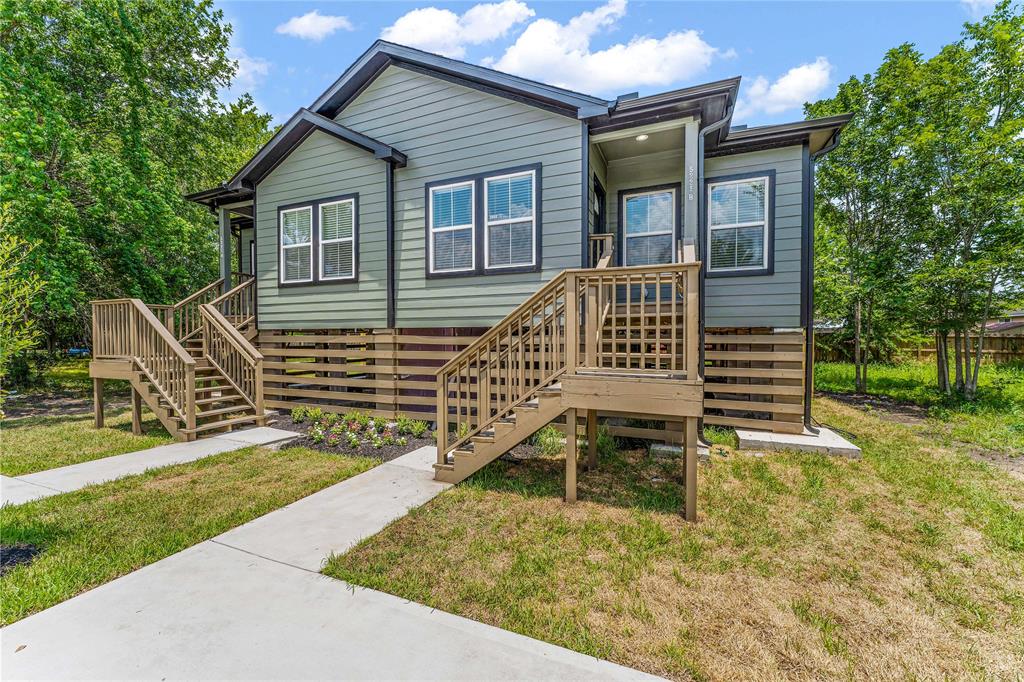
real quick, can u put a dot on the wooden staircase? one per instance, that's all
(194, 367)
(621, 340)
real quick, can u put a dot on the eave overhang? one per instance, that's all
(383, 54)
(817, 133)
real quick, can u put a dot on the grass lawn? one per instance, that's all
(33, 444)
(994, 421)
(96, 534)
(908, 563)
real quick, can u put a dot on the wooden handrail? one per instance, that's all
(237, 359)
(193, 296)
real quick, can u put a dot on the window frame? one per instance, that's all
(431, 230)
(767, 266)
(321, 241)
(620, 219)
(478, 180)
(316, 266)
(487, 222)
(282, 248)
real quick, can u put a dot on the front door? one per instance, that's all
(649, 225)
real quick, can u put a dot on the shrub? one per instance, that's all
(299, 414)
(314, 414)
(413, 427)
(549, 440)
(329, 420)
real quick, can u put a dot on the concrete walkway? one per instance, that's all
(250, 604)
(28, 487)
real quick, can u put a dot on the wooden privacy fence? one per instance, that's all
(126, 329)
(382, 372)
(633, 320)
(996, 349)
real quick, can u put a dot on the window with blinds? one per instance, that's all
(452, 242)
(649, 223)
(297, 244)
(737, 225)
(338, 240)
(511, 226)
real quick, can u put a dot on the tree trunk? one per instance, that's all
(867, 345)
(942, 362)
(858, 383)
(958, 360)
(965, 389)
(971, 389)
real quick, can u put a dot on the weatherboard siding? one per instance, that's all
(448, 130)
(323, 166)
(763, 300)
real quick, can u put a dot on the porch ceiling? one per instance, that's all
(656, 142)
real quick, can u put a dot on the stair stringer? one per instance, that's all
(529, 418)
(144, 387)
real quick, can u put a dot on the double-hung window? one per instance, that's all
(337, 240)
(452, 238)
(650, 226)
(297, 245)
(738, 225)
(510, 221)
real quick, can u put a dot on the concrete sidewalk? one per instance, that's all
(250, 604)
(28, 487)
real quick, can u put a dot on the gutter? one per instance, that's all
(808, 275)
(389, 229)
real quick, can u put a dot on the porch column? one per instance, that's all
(224, 218)
(691, 192)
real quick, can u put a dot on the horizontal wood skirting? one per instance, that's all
(754, 379)
(383, 372)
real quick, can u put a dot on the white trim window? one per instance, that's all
(338, 240)
(738, 225)
(649, 226)
(510, 223)
(296, 244)
(452, 234)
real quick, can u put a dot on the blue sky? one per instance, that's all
(786, 52)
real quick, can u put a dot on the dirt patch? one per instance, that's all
(886, 408)
(57, 405)
(15, 555)
(1013, 465)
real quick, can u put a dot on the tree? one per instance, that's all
(110, 114)
(18, 290)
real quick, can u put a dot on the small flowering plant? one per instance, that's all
(355, 430)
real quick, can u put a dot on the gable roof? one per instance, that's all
(818, 132)
(383, 54)
(292, 133)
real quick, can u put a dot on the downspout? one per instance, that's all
(702, 220)
(389, 222)
(808, 290)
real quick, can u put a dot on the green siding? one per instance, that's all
(321, 167)
(448, 130)
(772, 300)
(246, 237)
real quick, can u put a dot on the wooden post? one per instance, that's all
(591, 440)
(570, 455)
(97, 400)
(572, 323)
(691, 468)
(136, 412)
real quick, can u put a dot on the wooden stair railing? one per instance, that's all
(633, 320)
(187, 321)
(126, 329)
(481, 389)
(233, 356)
(238, 305)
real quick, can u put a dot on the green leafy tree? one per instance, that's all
(110, 114)
(18, 290)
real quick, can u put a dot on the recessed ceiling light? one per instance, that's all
(641, 138)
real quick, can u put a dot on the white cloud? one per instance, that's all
(798, 85)
(561, 54)
(444, 32)
(314, 26)
(251, 73)
(978, 8)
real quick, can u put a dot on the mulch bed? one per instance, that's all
(15, 555)
(385, 453)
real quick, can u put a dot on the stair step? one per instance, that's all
(210, 389)
(218, 399)
(221, 424)
(462, 452)
(485, 437)
(223, 410)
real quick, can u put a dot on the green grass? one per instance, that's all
(96, 534)
(995, 420)
(908, 563)
(34, 444)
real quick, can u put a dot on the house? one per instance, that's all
(570, 252)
